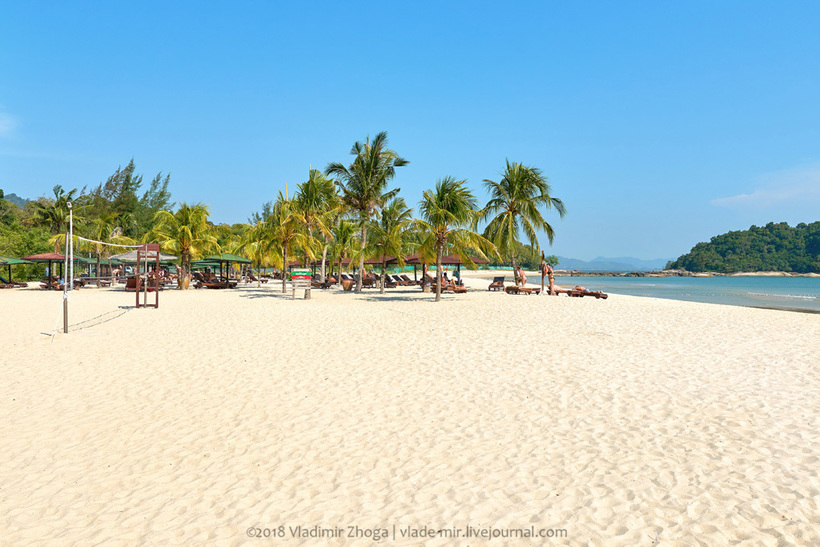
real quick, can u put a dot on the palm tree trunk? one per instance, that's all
(361, 258)
(284, 269)
(383, 279)
(515, 270)
(438, 272)
(324, 260)
(186, 267)
(97, 273)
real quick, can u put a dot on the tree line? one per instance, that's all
(773, 247)
(346, 212)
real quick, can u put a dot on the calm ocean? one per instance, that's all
(796, 293)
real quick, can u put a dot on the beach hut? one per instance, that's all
(131, 257)
(227, 259)
(454, 260)
(48, 258)
(9, 261)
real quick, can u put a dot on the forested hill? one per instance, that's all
(773, 247)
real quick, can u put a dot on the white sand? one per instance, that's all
(620, 421)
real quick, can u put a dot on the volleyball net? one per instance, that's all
(145, 259)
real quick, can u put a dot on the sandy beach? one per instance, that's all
(229, 414)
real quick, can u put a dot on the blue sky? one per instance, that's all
(659, 124)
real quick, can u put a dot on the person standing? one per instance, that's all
(521, 277)
(551, 275)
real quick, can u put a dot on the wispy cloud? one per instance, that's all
(795, 186)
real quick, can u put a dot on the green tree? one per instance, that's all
(344, 237)
(447, 213)
(156, 198)
(255, 243)
(185, 232)
(364, 182)
(388, 233)
(54, 214)
(515, 206)
(317, 201)
(285, 228)
(104, 229)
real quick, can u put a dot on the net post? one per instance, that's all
(65, 287)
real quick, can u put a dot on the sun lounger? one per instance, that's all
(580, 292)
(515, 289)
(133, 284)
(409, 281)
(451, 287)
(497, 284)
(317, 283)
(6, 284)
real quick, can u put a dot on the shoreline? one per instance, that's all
(662, 273)
(563, 281)
(676, 273)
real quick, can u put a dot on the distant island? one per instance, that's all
(771, 248)
(618, 264)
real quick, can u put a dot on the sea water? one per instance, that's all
(793, 293)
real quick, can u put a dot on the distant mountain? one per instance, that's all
(618, 264)
(17, 200)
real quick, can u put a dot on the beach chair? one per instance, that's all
(497, 284)
(317, 283)
(580, 292)
(409, 281)
(515, 289)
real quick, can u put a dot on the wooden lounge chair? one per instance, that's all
(497, 284)
(515, 289)
(580, 292)
(409, 281)
(6, 284)
(450, 286)
(134, 283)
(317, 283)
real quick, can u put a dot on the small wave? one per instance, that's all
(795, 296)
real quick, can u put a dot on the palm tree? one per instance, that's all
(515, 201)
(316, 200)
(446, 213)
(388, 235)
(344, 234)
(185, 232)
(363, 183)
(54, 214)
(255, 243)
(285, 226)
(105, 229)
